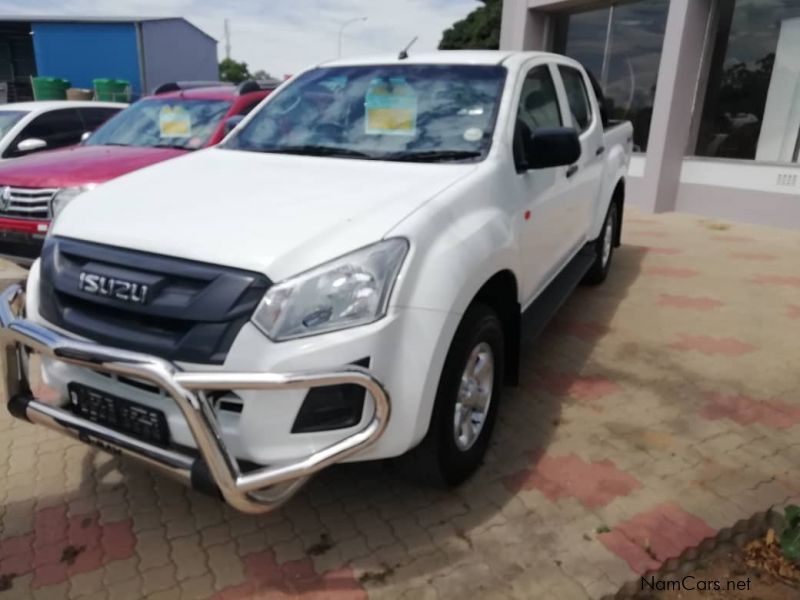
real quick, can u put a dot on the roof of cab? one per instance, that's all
(220, 92)
(443, 57)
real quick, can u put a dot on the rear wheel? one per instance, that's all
(466, 402)
(604, 249)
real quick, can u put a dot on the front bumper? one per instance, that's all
(215, 469)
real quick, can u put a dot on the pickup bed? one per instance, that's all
(341, 279)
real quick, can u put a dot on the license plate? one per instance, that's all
(119, 414)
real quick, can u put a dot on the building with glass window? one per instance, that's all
(712, 88)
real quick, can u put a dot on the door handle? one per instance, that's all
(600, 150)
(572, 170)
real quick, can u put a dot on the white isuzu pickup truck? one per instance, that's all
(343, 278)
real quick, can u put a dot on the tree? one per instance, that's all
(479, 30)
(233, 71)
(262, 75)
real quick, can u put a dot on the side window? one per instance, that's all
(538, 102)
(58, 128)
(577, 97)
(244, 111)
(94, 117)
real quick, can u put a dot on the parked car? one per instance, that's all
(28, 127)
(177, 119)
(343, 278)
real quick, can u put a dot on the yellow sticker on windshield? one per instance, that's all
(391, 108)
(174, 122)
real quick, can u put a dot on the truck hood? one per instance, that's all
(79, 165)
(271, 213)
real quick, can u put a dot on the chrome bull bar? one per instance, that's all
(216, 469)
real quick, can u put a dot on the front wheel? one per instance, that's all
(466, 402)
(604, 249)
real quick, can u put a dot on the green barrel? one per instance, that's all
(49, 88)
(112, 90)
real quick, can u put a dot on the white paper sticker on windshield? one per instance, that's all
(390, 107)
(473, 134)
(174, 122)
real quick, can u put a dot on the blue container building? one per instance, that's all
(144, 51)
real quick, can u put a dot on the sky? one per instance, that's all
(284, 36)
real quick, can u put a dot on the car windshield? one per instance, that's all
(421, 113)
(9, 118)
(162, 122)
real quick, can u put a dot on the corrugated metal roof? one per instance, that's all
(93, 19)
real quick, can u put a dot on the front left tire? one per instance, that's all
(466, 404)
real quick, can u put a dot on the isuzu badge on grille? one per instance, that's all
(109, 287)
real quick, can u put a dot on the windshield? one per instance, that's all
(9, 118)
(163, 123)
(425, 113)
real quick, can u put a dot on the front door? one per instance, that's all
(585, 176)
(543, 218)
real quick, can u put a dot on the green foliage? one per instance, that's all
(480, 30)
(233, 71)
(790, 536)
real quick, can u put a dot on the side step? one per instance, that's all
(538, 314)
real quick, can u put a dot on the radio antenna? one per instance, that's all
(404, 52)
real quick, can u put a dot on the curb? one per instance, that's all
(724, 541)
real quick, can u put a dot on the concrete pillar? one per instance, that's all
(522, 28)
(676, 90)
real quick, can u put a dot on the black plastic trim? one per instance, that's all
(193, 311)
(349, 402)
(18, 406)
(202, 480)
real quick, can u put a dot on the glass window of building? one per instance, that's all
(752, 101)
(620, 46)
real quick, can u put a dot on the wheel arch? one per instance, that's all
(501, 293)
(618, 197)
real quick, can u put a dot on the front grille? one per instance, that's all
(26, 203)
(192, 313)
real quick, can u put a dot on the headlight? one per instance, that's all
(65, 195)
(348, 291)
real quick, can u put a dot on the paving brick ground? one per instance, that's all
(654, 411)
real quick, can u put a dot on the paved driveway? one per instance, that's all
(655, 410)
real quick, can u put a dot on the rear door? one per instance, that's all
(59, 128)
(93, 117)
(584, 177)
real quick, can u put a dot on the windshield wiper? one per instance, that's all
(314, 150)
(173, 146)
(433, 155)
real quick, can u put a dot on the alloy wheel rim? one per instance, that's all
(474, 396)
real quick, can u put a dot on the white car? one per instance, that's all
(27, 127)
(342, 279)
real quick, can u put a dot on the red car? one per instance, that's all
(178, 118)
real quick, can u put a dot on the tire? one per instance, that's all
(451, 452)
(604, 249)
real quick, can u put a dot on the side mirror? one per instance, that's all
(85, 135)
(231, 123)
(31, 145)
(552, 147)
